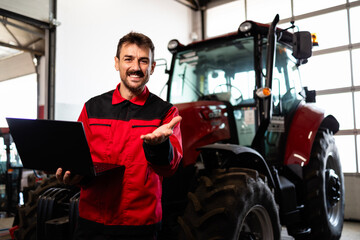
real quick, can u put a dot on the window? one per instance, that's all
(340, 106)
(223, 73)
(346, 148)
(355, 26)
(286, 81)
(331, 29)
(229, 15)
(357, 109)
(306, 6)
(265, 11)
(240, 87)
(185, 89)
(211, 73)
(23, 103)
(355, 66)
(316, 75)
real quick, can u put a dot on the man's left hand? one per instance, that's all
(161, 133)
(67, 178)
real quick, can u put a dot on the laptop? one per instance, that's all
(51, 144)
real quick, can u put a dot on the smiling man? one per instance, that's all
(134, 128)
(135, 64)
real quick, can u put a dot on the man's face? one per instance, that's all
(135, 66)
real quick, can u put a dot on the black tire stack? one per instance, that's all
(27, 214)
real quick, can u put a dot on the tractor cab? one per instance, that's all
(240, 68)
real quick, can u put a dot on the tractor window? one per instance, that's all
(286, 84)
(185, 88)
(237, 89)
(222, 72)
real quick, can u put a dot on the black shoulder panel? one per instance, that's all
(154, 108)
(101, 107)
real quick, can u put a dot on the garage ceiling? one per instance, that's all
(23, 26)
(19, 44)
(20, 34)
(16, 36)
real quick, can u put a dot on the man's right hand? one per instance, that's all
(67, 178)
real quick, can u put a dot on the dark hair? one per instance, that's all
(139, 39)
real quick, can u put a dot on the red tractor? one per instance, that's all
(258, 154)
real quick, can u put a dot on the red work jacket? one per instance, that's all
(128, 198)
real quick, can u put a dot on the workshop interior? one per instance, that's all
(268, 92)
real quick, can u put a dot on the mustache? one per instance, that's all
(138, 72)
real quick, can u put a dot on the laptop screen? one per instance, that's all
(50, 144)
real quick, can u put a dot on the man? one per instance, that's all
(134, 128)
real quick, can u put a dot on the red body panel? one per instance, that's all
(203, 123)
(303, 129)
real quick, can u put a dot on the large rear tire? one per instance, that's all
(324, 203)
(231, 204)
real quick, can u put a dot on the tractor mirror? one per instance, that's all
(310, 95)
(302, 45)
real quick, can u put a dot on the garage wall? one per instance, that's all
(87, 39)
(352, 197)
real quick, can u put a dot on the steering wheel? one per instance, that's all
(236, 95)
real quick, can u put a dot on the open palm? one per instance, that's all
(160, 134)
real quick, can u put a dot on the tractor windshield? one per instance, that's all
(223, 71)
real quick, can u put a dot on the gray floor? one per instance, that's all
(5, 224)
(351, 230)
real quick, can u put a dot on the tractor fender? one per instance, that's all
(306, 122)
(245, 157)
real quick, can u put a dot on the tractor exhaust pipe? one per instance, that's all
(270, 63)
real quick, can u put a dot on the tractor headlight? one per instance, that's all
(173, 45)
(245, 27)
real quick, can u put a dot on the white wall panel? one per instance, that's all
(352, 197)
(87, 39)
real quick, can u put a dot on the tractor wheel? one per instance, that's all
(324, 203)
(230, 204)
(26, 218)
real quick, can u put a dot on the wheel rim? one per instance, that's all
(333, 191)
(256, 224)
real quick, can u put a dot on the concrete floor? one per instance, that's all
(5, 224)
(351, 230)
